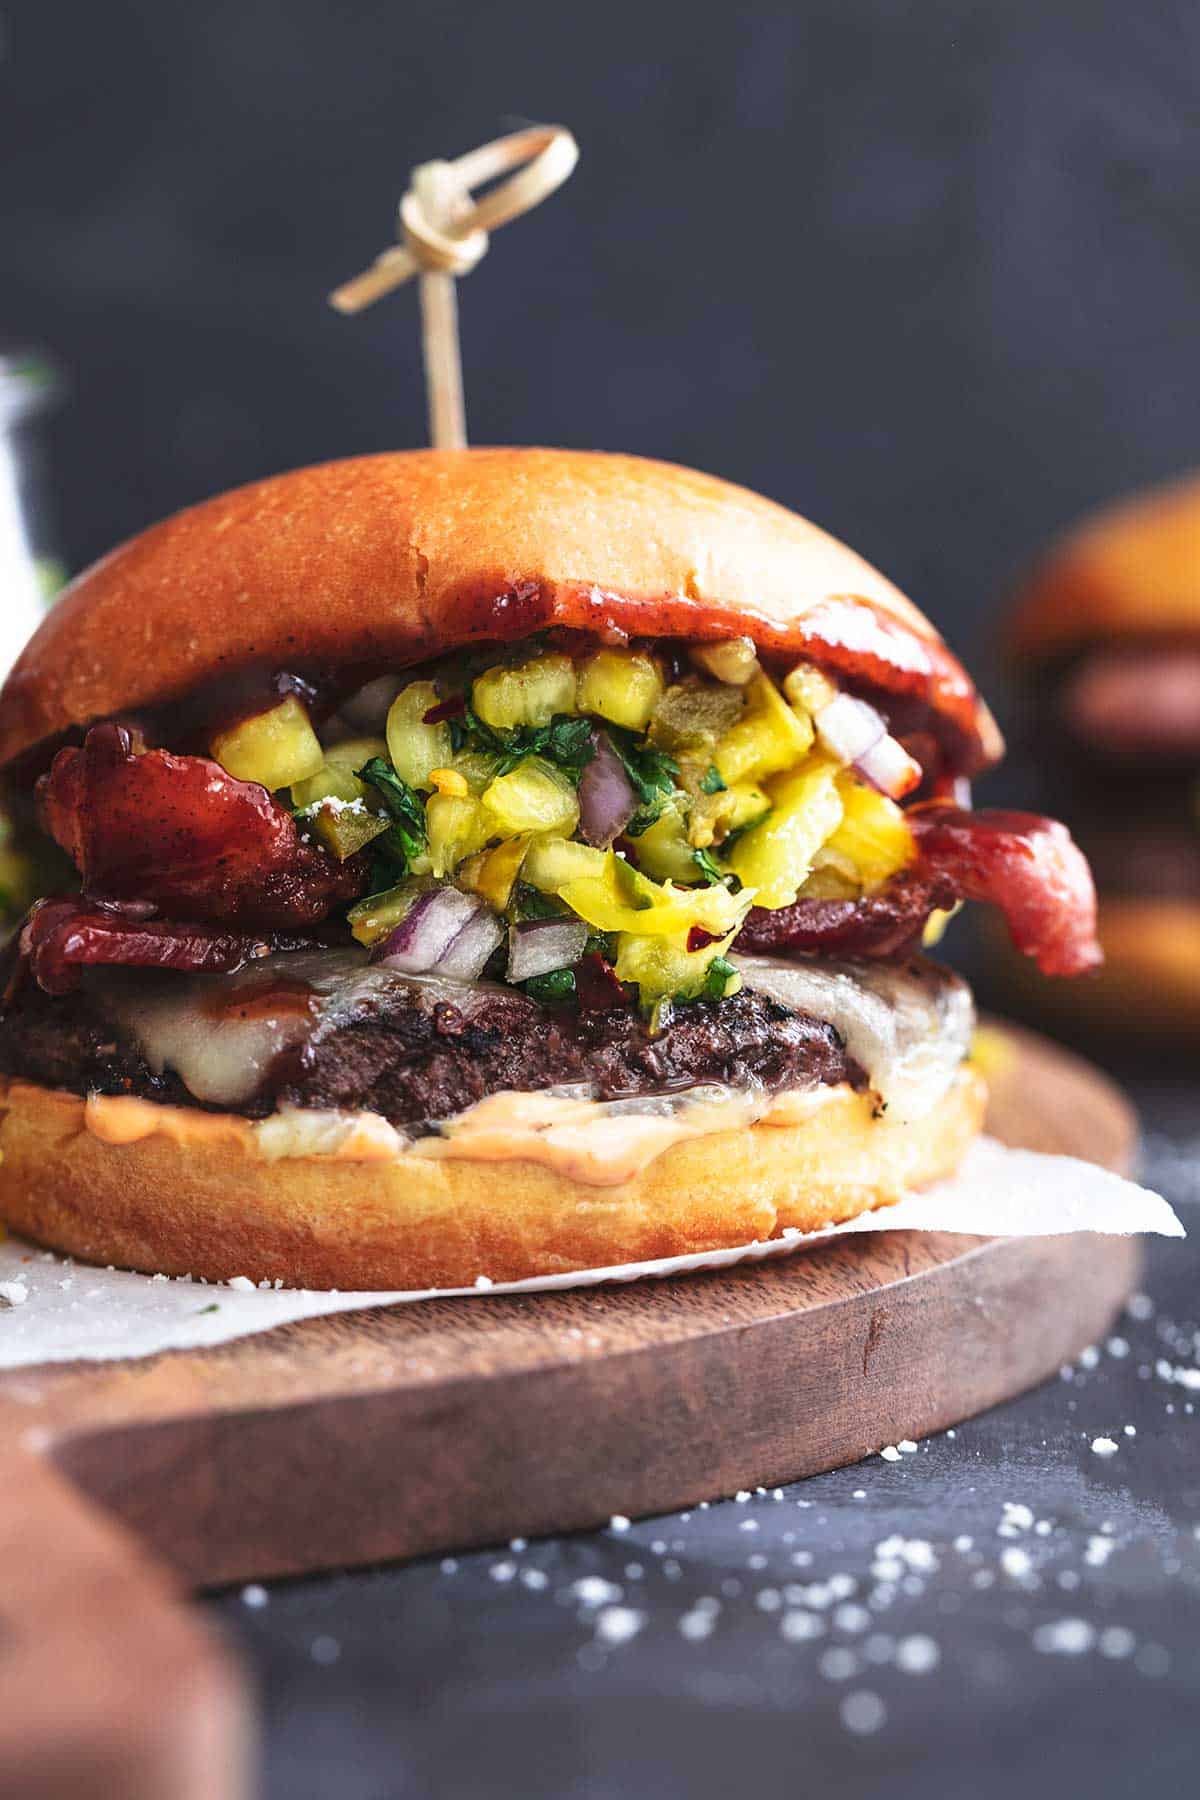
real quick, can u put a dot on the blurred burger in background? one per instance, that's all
(1106, 635)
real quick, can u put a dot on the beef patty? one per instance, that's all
(407, 1052)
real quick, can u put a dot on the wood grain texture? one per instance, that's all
(399, 1431)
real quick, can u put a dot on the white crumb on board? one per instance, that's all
(56, 1311)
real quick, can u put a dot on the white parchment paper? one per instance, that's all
(53, 1310)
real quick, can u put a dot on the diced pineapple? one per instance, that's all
(477, 769)
(621, 685)
(775, 857)
(457, 829)
(534, 796)
(337, 779)
(417, 749)
(624, 900)
(493, 872)
(768, 738)
(714, 816)
(690, 717)
(874, 837)
(276, 747)
(529, 694)
(734, 660)
(809, 688)
(345, 828)
(664, 850)
(551, 862)
(664, 970)
(372, 918)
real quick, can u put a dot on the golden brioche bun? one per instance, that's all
(385, 560)
(1149, 984)
(1132, 570)
(223, 1210)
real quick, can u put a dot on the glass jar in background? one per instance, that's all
(31, 571)
(31, 574)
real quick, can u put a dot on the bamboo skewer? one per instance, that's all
(444, 235)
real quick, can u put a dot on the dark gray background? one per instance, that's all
(929, 272)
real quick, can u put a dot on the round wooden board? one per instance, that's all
(420, 1428)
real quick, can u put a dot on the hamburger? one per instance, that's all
(493, 863)
(1106, 635)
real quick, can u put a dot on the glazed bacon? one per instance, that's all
(1028, 866)
(182, 835)
(61, 937)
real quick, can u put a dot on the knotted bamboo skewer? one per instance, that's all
(444, 234)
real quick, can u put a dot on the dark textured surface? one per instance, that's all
(927, 271)
(496, 1674)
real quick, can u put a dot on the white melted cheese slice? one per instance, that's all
(907, 1027)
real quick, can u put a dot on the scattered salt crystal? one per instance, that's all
(1065, 1637)
(15, 1292)
(449, 1565)
(1098, 1551)
(1118, 1347)
(618, 1522)
(1116, 1641)
(963, 1544)
(890, 1453)
(1090, 1357)
(1140, 1306)
(748, 1525)
(534, 1579)
(1068, 1580)
(1044, 1527)
(1130, 1430)
(768, 1600)
(325, 1650)
(254, 1596)
(1104, 1446)
(863, 1713)
(1017, 1515)
(742, 1495)
(800, 1627)
(618, 1624)
(907, 1446)
(697, 1625)
(593, 1590)
(917, 1655)
(242, 1284)
(1152, 1660)
(850, 1617)
(502, 1571)
(518, 1544)
(859, 1494)
(838, 1664)
(1015, 1562)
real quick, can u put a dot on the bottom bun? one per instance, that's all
(219, 1208)
(1148, 987)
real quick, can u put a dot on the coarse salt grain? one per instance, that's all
(618, 1624)
(863, 1713)
(890, 1453)
(1065, 1637)
(1104, 1446)
(618, 1522)
(917, 1655)
(241, 1284)
(800, 1627)
(15, 1292)
(254, 1596)
(697, 1625)
(1015, 1562)
(593, 1590)
(907, 1446)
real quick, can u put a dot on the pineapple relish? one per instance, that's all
(556, 817)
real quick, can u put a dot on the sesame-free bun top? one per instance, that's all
(383, 561)
(1129, 571)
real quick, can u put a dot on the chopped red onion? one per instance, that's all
(427, 931)
(888, 767)
(367, 710)
(539, 946)
(607, 802)
(467, 955)
(854, 733)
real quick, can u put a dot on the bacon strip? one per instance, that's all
(182, 834)
(60, 937)
(1026, 865)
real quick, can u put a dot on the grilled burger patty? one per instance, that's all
(410, 1054)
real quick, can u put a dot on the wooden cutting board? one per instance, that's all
(390, 1433)
(397, 1432)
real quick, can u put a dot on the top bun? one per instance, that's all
(1132, 570)
(383, 561)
